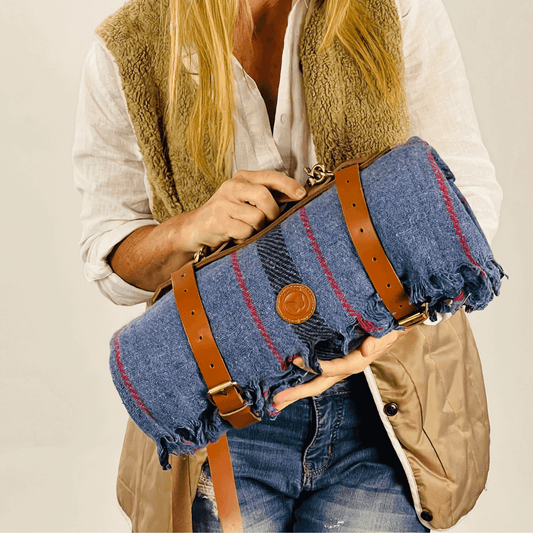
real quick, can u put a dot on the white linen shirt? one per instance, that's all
(110, 174)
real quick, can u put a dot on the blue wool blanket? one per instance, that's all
(430, 236)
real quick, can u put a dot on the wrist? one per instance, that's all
(147, 257)
(181, 235)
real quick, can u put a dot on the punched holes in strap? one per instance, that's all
(368, 246)
(224, 392)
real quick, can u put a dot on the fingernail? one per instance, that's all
(299, 362)
(275, 409)
(300, 193)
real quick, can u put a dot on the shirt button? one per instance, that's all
(426, 515)
(283, 118)
(391, 408)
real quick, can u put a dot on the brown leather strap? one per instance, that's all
(229, 512)
(223, 391)
(366, 242)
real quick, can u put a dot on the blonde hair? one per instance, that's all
(206, 27)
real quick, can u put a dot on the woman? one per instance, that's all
(179, 96)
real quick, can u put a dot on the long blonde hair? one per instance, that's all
(206, 27)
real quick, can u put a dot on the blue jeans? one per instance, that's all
(324, 464)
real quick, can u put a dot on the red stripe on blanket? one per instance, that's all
(125, 379)
(365, 324)
(253, 311)
(451, 210)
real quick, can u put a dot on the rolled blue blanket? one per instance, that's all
(430, 236)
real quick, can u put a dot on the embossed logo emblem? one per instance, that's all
(296, 303)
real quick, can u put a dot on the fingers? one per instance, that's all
(358, 360)
(337, 369)
(247, 193)
(372, 345)
(237, 230)
(249, 215)
(314, 387)
(274, 181)
(353, 363)
(241, 207)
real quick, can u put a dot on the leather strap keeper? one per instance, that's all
(224, 393)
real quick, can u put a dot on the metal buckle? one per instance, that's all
(415, 318)
(219, 389)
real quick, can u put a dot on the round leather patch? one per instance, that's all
(295, 303)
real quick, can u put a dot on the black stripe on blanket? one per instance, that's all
(281, 271)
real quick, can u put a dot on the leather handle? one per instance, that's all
(368, 246)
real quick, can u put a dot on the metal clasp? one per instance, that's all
(200, 254)
(318, 174)
(415, 318)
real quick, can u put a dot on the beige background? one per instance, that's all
(61, 420)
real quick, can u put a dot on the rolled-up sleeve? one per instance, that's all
(440, 105)
(110, 175)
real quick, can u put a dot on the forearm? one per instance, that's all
(241, 206)
(149, 255)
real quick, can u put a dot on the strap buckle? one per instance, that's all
(221, 389)
(415, 318)
(242, 416)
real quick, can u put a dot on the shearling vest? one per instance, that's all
(439, 426)
(346, 120)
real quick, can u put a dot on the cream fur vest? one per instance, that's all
(433, 375)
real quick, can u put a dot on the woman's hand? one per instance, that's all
(241, 206)
(337, 369)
